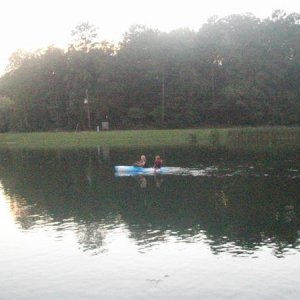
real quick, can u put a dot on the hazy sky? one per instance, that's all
(34, 24)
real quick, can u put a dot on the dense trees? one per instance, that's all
(237, 70)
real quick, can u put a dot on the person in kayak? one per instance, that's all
(158, 162)
(142, 162)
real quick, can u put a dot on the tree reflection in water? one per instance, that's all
(236, 214)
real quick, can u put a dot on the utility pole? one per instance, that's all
(213, 81)
(86, 101)
(163, 97)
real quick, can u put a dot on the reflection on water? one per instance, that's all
(235, 204)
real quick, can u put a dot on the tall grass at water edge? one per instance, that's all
(263, 138)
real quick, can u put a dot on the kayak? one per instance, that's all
(134, 170)
(122, 171)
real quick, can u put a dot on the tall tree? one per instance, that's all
(85, 37)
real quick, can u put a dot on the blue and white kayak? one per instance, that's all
(121, 171)
(134, 170)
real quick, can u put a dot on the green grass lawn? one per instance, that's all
(230, 137)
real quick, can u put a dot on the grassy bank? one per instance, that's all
(228, 137)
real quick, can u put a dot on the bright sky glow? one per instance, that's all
(35, 24)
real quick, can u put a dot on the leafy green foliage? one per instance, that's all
(237, 70)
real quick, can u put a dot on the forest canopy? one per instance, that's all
(236, 70)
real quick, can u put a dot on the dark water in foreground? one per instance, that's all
(227, 229)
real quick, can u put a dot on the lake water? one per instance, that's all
(226, 228)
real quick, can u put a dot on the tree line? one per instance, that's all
(236, 70)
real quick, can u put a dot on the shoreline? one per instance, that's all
(234, 137)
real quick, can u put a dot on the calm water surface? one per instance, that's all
(227, 227)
